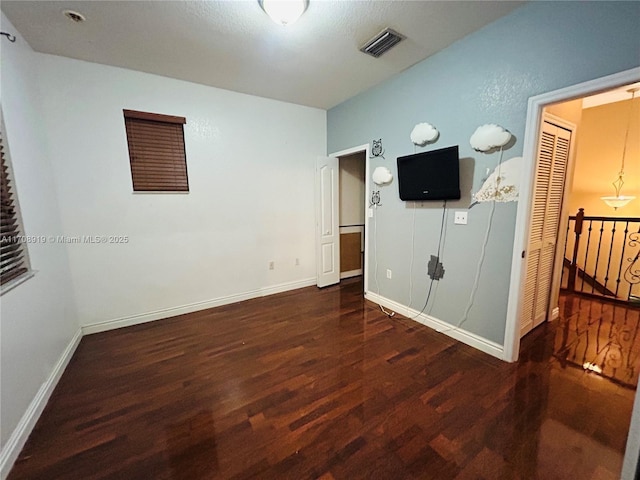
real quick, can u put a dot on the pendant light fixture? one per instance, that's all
(284, 12)
(618, 200)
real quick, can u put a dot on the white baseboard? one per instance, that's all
(19, 437)
(350, 273)
(464, 336)
(193, 307)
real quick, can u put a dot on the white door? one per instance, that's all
(327, 222)
(552, 159)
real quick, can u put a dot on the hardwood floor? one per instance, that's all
(601, 336)
(321, 384)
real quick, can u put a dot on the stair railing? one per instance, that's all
(602, 257)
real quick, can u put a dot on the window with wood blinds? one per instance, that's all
(14, 261)
(156, 152)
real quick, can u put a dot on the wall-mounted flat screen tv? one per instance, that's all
(433, 175)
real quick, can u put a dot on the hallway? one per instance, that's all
(593, 357)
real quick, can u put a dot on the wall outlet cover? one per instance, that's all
(460, 218)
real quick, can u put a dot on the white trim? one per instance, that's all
(464, 336)
(17, 281)
(534, 114)
(366, 148)
(613, 96)
(630, 459)
(19, 437)
(352, 229)
(192, 307)
(555, 313)
(351, 151)
(350, 273)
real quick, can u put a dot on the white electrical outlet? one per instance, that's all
(460, 218)
(389, 274)
(370, 212)
(272, 265)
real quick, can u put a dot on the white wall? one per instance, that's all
(251, 173)
(38, 318)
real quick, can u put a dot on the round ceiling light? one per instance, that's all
(74, 16)
(284, 12)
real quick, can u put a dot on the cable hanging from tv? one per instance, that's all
(11, 38)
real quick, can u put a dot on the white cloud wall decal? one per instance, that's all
(382, 176)
(424, 133)
(503, 185)
(489, 136)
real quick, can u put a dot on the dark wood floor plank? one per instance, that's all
(321, 384)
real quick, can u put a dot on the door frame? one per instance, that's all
(535, 109)
(366, 148)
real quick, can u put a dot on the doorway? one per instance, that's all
(351, 191)
(535, 111)
(586, 159)
(342, 183)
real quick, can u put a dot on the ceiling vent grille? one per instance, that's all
(382, 42)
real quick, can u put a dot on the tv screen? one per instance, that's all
(433, 175)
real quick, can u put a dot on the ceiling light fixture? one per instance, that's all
(618, 200)
(284, 12)
(74, 16)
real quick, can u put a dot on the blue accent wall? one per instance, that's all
(487, 77)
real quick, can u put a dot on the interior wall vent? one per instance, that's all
(382, 42)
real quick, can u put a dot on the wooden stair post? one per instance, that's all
(571, 281)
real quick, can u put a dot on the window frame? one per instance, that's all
(7, 180)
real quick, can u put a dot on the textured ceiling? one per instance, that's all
(234, 45)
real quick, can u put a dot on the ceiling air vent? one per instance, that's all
(381, 42)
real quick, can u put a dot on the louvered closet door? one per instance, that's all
(553, 155)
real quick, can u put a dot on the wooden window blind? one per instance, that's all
(156, 152)
(13, 253)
